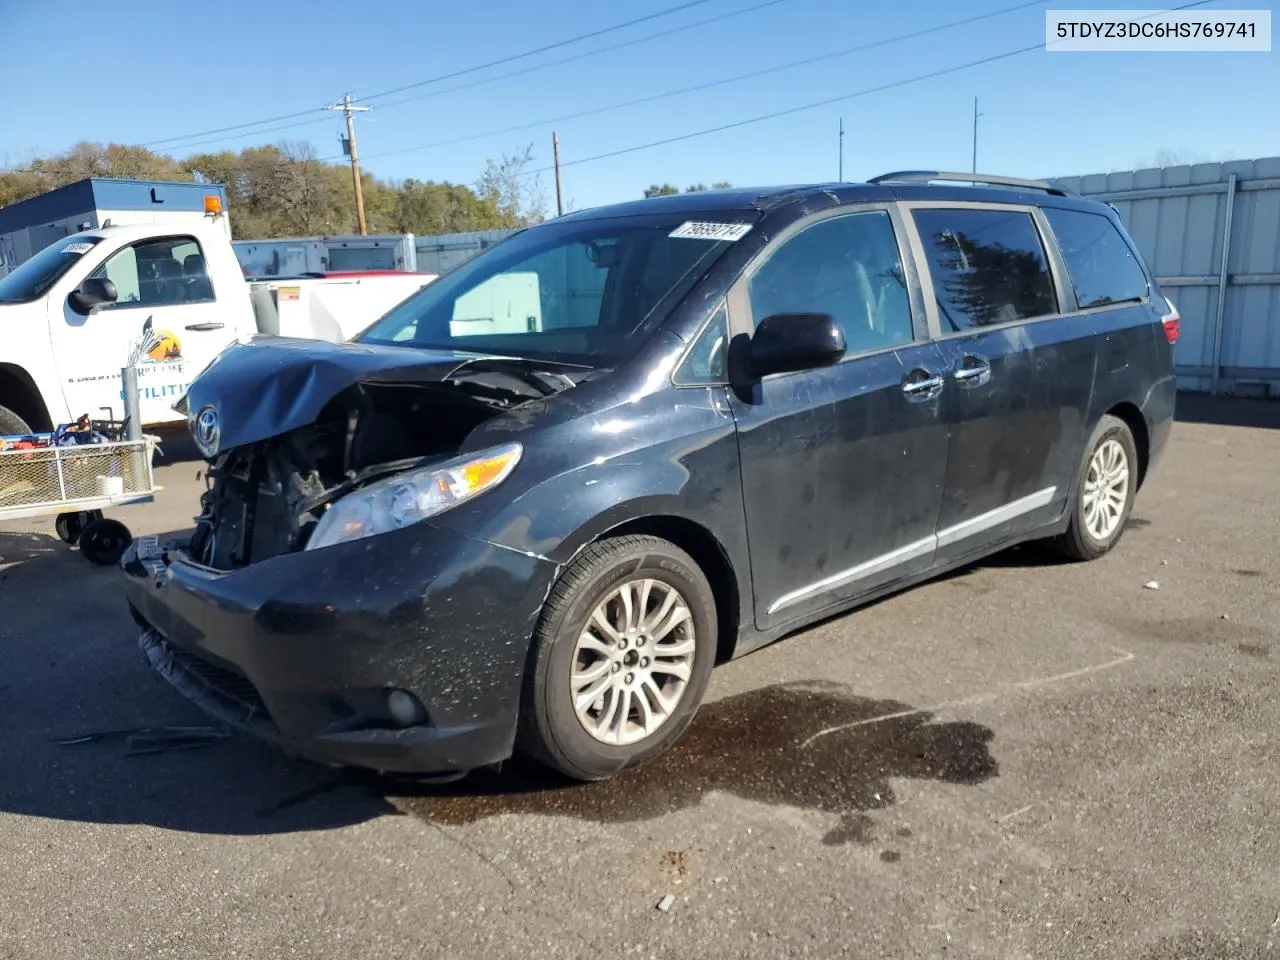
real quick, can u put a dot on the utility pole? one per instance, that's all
(976, 115)
(555, 152)
(350, 146)
(840, 177)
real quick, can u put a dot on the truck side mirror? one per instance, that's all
(91, 293)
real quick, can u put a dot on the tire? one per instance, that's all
(69, 526)
(1112, 450)
(104, 542)
(11, 424)
(550, 728)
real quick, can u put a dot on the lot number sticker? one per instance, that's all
(77, 248)
(699, 230)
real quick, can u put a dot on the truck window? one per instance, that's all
(158, 273)
(32, 279)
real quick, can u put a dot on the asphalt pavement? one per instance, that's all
(1025, 759)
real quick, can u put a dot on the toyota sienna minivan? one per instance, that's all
(531, 507)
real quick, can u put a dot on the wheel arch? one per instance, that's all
(18, 392)
(1132, 417)
(695, 539)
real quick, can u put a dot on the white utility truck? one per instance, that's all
(75, 311)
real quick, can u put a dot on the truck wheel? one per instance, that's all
(104, 542)
(11, 424)
(621, 658)
(1105, 491)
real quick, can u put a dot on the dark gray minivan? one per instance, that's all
(532, 506)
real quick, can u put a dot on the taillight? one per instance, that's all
(1172, 322)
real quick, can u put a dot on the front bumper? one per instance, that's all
(301, 649)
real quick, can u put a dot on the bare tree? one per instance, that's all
(519, 194)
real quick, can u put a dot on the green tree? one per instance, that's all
(666, 190)
(284, 190)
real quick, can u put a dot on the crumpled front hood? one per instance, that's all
(270, 385)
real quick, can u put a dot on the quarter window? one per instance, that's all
(987, 266)
(707, 361)
(158, 273)
(848, 267)
(1102, 266)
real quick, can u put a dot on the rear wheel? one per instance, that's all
(11, 424)
(621, 659)
(1105, 492)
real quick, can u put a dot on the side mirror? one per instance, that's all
(786, 342)
(91, 293)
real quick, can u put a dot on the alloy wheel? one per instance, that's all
(1106, 489)
(632, 661)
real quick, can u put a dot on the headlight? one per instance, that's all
(409, 497)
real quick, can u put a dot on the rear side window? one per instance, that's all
(988, 266)
(1102, 266)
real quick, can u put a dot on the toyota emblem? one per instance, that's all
(207, 431)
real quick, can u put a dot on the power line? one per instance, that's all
(550, 46)
(808, 61)
(236, 126)
(255, 133)
(583, 56)
(502, 76)
(828, 101)
(457, 73)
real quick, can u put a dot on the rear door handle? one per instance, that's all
(920, 384)
(972, 371)
(205, 326)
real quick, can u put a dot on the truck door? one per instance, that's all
(161, 280)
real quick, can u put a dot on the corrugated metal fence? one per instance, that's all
(1211, 233)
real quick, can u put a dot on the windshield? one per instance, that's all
(585, 292)
(34, 278)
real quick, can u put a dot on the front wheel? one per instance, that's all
(12, 425)
(621, 658)
(1105, 492)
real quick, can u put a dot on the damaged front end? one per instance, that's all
(379, 454)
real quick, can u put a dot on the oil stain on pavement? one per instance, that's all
(809, 746)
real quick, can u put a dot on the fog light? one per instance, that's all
(404, 708)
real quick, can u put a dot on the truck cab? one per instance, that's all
(105, 273)
(79, 310)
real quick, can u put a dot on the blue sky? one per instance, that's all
(158, 70)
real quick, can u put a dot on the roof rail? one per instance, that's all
(928, 176)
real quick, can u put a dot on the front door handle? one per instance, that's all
(972, 371)
(205, 326)
(920, 385)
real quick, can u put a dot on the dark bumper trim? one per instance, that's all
(223, 695)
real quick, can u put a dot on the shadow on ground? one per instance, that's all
(73, 670)
(1228, 411)
(176, 446)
